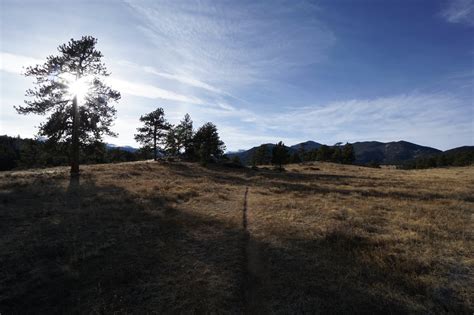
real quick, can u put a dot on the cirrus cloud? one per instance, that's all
(459, 11)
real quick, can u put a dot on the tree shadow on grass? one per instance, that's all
(90, 248)
(245, 176)
(217, 173)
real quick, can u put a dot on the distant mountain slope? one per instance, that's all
(365, 152)
(307, 146)
(461, 156)
(124, 148)
(465, 148)
(245, 156)
(390, 152)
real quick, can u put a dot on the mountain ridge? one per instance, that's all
(392, 152)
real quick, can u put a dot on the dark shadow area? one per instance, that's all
(342, 274)
(225, 175)
(74, 192)
(109, 251)
(217, 173)
(74, 184)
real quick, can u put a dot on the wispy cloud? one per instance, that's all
(236, 137)
(16, 64)
(181, 78)
(459, 11)
(150, 91)
(233, 44)
(409, 116)
(184, 79)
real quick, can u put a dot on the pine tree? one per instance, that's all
(302, 152)
(336, 156)
(172, 142)
(348, 154)
(295, 158)
(69, 88)
(184, 135)
(261, 155)
(280, 155)
(236, 161)
(32, 153)
(154, 130)
(324, 153)
(207, 144)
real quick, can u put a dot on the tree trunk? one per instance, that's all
(75, 139)
(154, 143)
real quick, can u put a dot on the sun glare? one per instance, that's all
(76, 87)
(79, 88)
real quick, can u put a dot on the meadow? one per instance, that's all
(156, 237)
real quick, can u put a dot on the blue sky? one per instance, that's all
(264, 71)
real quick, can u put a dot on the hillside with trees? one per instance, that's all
(263, 154)
(19, 153)
(360, 153)
(462, 156)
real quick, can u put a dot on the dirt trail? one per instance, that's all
(254, 267)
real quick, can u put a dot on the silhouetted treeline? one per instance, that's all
(338, 153)
(202, 145)
(343, 154)
(463, 156)
(18, 153)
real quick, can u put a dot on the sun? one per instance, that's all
(79, 88)
(76, 87)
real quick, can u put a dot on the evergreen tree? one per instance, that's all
(154, 130)
(302, 152)
(31, 154)
(280, 155)
(348, 154)
(118, 155)
(295, 158)
(55, 154)
(172, 142)
(70, 90)
(311, 155)
(9, 152)
(184, 135)
(253, 160)
(236, 160)
(336, 156)
(207, 143)
(324, 153)
(95, 153)
(261, 155)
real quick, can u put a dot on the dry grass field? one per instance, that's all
(149, 237)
